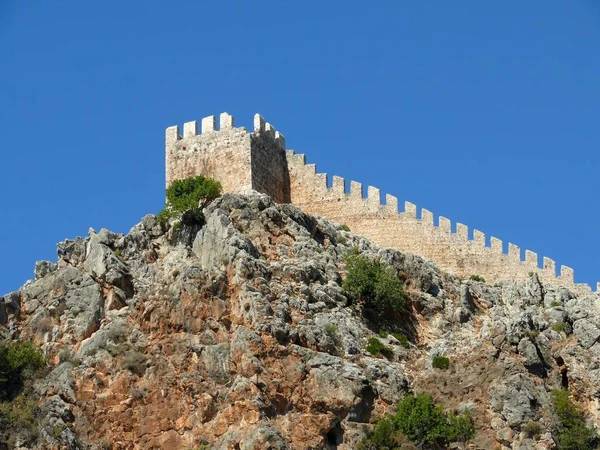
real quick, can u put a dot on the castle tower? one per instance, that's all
(239, 159)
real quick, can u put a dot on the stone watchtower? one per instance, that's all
(240, 160)
(243, 161)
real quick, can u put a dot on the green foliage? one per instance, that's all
(461, 427)
(554, 304)
(374, 283)
(559, 327)
(330, 328)
(403, 339)
(345, 227)
(163, 218)
(192, 193)
(119, 254)
(531, 334)
(189, 195)
(423, 422)
(384, 435)
(572, 433)
(440, 362)
(19, 361)
(376, 347)
(477, 278)
(19, 416)
(533, 429)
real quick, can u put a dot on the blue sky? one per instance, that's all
(484, 112)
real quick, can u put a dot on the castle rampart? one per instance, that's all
(258, 160)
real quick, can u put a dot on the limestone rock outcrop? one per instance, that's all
(238, 335)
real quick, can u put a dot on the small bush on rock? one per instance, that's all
(421, 421)
(403, 339)
(19, 362)
(560, 327)
(533, 430)
(531, 334)
(376, 347)
(375, 284)
(440, 362)
(477, 278)
(571, 430)
(189, 196)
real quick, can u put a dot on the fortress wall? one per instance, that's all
(222, 154)
(269, 169)
(241, 160)
(455, 252)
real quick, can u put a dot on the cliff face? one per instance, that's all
(238, 336)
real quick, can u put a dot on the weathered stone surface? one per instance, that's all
(586, 332)
(242, 337)
(516, 398)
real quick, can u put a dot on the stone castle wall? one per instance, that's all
(269, 162)
(240, 159)
(223, 154)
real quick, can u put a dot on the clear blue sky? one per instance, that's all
(487, 113)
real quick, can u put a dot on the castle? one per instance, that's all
(243, 160)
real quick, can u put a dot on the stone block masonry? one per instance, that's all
(257, 160)
(240, 160)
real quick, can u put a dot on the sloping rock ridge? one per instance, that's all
(238, 335)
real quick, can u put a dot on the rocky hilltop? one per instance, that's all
(238, 335)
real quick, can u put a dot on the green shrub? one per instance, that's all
(571, 430)
(19, 361)
(477, 278)
(375, 346)
(403, 339)
(531, 334)
(190, 194)
(374, 283)
(559, 327)
(119, 254)
(163, 218)
(461, 427)
(18, 416)
(533, 430)
(554, 304)
(423, 422)
(345, 227)
(384, 435)
(330, 328)
(440, 362)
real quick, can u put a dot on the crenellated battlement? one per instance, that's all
(458, 251)
(257, 160)
(239, 159)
